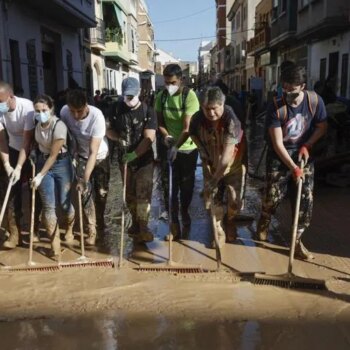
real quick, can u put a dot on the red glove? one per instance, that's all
(297, 173)
(304, 153)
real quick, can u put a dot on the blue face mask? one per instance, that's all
(4, 108)
(42, 117)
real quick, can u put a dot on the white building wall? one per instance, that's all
(322, 49)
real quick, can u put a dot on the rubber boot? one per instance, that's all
(145, 234)
(53, 232)
(175, 232)
(91, 239)
(14, 239)
(301, 252)
(69, 235)
(230, 230)
(186, 224)
(221, 236)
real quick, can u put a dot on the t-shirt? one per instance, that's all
(15, 122)
(130, 125)
(44, 136)
(94, 125)
(174, 114)
(299, 124)
(214, 137)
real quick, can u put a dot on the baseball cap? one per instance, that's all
(130, 87)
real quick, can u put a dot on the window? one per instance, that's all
(323, 67)
(283, 6)
(344, 74)
(15, 64)
(238, 20)
(244, 13)
(238, 54)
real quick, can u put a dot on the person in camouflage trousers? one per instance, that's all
(295, 122)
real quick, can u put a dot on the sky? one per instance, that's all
(178, 19)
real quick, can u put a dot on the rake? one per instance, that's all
(289, 279)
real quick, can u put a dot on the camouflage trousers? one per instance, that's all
(139, 185)
(279, 184)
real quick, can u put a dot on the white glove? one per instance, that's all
(16, 174)
(36, 181)
(168, 141)
(8, 169)
(173, 153)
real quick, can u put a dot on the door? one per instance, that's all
(49, 69)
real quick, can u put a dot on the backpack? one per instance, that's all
(71, 143)
(184, 93)
(281, 105)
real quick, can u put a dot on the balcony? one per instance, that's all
(259, 42)
(75, 13)
(97, 36)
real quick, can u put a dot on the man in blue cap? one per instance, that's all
(133, 126)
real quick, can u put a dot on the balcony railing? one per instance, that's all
(259, 41)
(97, 35)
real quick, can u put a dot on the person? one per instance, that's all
(17, 120)
(87, 125)
(134, 128)
(97, 97)
(54, 171)
(217, 132)
(293, 128)
(175, 106)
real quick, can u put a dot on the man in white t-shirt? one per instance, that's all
(17, 120)
(87, 124)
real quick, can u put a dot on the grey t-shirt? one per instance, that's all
(44, 136)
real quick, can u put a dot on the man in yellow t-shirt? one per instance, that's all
(175, 106)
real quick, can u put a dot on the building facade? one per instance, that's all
(45, 53)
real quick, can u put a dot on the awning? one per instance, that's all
(118, 13)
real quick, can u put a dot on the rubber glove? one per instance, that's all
(8, 169)
(83, 186)
(169, 141)
(36, 181)
(16, 174)
(172, 153)
(304, 153)
(297, 173)
(129, 157)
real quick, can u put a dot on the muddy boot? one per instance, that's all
(301, 252)
(221, 237)
(186, 224)
(54, 235)
(134, 229)
(230, 230)
(145, 234)
(91, 239)
(69, 235)
(175, 232)
(12, 242)
(262, 230)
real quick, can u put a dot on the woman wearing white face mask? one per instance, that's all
(54, 171)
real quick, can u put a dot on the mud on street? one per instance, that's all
(126, 309)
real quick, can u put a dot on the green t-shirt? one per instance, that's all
(173, 114)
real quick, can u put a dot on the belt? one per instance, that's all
(59, 156)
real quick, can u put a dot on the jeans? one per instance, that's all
(57, 182)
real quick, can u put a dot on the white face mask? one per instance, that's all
(131, 103)
(172, 89)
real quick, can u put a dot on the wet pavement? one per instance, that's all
(126, 309)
